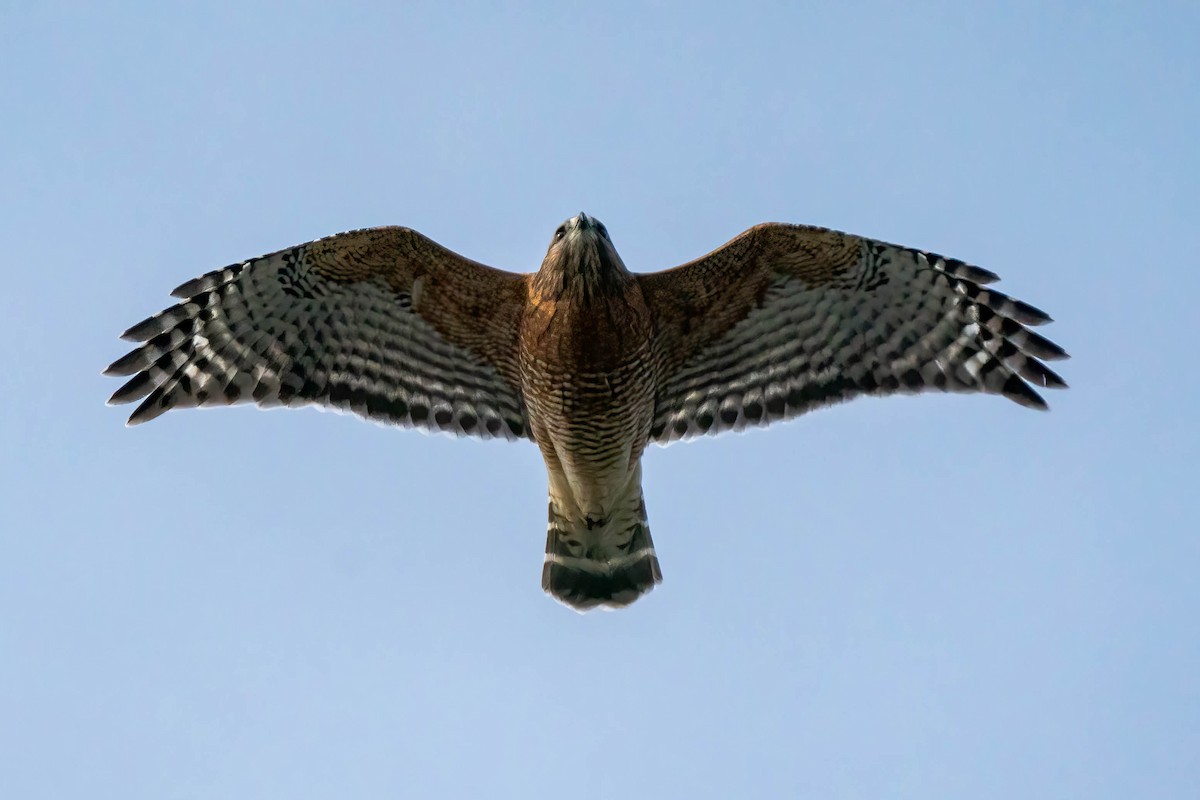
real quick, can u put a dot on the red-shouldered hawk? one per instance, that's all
(587, 359)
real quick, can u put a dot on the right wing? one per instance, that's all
(788, 318)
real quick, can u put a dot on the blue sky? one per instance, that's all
(941, 596)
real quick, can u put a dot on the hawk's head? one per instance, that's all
(582, 260)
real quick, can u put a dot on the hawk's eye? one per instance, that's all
(603, 231)
(560, 233)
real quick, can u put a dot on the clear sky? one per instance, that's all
(930, 597)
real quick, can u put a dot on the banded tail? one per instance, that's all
(608, 562)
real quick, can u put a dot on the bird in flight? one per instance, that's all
(589, 360)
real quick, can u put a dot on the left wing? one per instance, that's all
(787, 318)
(383, 322)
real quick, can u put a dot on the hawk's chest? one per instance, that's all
(597, 335)
(595, 358)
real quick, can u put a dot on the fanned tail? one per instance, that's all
(609, 562)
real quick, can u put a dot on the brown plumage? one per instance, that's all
(590, 361)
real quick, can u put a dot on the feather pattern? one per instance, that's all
(381, 322)
(787, 318)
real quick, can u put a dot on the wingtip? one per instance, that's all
(977, 274)
(1029, 315)
(185, 291)
(144, 329)
(139, 416)
(1021, 393)
(1036, 402)
(1033, 401)
(127, 364)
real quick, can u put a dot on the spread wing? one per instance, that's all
(382, 322)
(787, 318)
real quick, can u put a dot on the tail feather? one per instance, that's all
(592, 563)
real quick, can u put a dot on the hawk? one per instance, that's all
(589, 360)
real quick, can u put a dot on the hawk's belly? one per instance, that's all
(589, 390)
